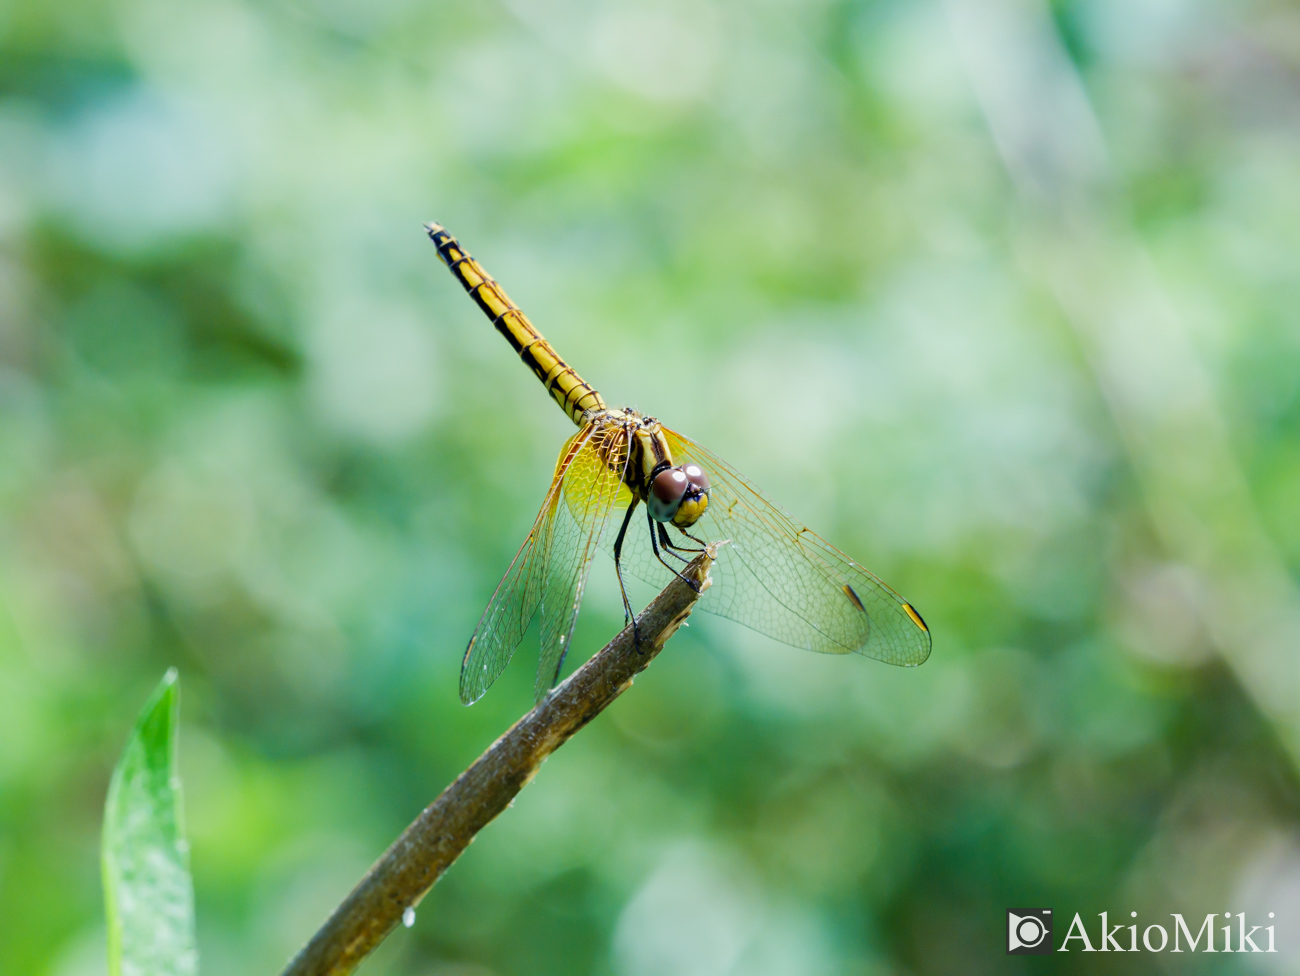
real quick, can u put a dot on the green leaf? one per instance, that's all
(148, 894)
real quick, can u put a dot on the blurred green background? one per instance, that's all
(1000, 298)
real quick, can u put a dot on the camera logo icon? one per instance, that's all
(1029, 932)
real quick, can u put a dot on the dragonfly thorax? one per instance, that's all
(676, 493)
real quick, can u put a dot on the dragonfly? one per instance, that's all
(776, 576)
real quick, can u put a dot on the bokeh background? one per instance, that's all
(999, 297)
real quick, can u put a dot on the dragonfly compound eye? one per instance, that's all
(696, 498)
(667, 489)
(696, 476)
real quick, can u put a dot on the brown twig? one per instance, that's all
(409, 868)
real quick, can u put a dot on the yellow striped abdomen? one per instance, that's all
(566, 387)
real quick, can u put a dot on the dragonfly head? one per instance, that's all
(679, 495)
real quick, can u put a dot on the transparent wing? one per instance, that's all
(591, 485)
(782, 579)
(518, 595)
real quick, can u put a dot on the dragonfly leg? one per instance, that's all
(664, 541)
(703, 545)
(655, 546)
(667, 545)
(618, 568)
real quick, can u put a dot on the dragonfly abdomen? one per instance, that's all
(574, 395)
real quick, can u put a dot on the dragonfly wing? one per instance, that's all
(518, 595)
(782, 579)
(591, 485)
